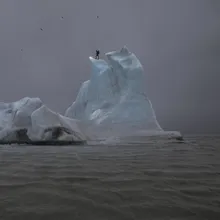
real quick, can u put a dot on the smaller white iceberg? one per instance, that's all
(28, 120)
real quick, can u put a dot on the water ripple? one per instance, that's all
(151, 181)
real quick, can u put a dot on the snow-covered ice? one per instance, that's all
(29, 120)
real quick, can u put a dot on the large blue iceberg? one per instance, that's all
(113, 101)
(115, 94)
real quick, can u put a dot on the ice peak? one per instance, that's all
(123, 52)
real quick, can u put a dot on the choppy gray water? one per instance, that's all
(146, 181)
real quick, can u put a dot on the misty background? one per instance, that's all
(45, 45)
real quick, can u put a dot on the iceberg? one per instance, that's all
(28, 120)
(113, 101)
(111, 106)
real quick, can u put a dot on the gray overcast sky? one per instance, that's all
(177, 41)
